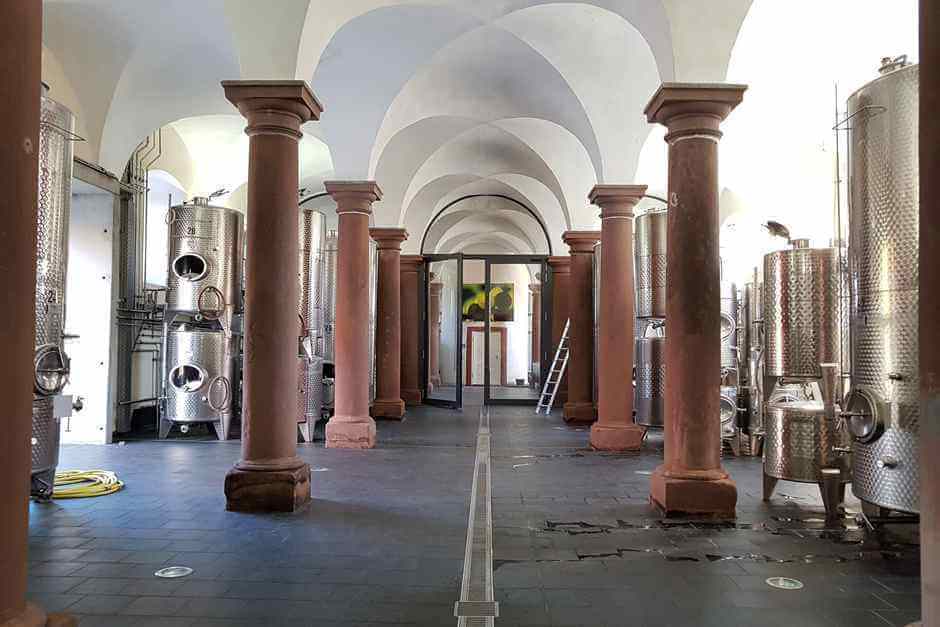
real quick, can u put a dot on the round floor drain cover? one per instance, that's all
(172, 572)
(784, 583)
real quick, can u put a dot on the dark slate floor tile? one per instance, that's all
(101, 604)
(155, 606)
(383, 540)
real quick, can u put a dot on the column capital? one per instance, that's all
(693, 109)
(560, 265)
(387, 237)
(616, 201)
(273, 107)
(411, 263)
(354, 196)
(581, 242)
(535, 288)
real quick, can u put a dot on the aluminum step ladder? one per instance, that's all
(559, 364)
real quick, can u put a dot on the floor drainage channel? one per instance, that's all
(477, 606)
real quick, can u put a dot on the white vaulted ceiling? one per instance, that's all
(493, 109)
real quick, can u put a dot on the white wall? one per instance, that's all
(88, 314)
(165, 191)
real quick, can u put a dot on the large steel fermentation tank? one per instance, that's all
(801, 310)
(729, 329)
(805, 439)
(205, 259)
(205, 279)
(312, 244)
(312, 234)
(328, 289)
(200, 377)
(328, 286)
(651, 379)
(650, 262)
(330, 256)
(802, 441)
(883, 406)
(51, 364)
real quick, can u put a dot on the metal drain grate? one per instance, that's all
(477, 606)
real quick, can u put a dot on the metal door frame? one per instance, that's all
(426, 338)
(546, 320)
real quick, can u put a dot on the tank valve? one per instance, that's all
(888, 462)
(184, 429)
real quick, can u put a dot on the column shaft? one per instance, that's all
(561, 285)
(351, 426)
(580, 404)
(270, 476)
(615, 429)
(411, 391)
(20, 37)
(929, 309)
(388, 402)
(692, 480)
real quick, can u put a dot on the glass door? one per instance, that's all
(514, 344)
(444, 280)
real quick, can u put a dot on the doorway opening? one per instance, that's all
(483, 339)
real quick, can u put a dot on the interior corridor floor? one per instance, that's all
(575, 541)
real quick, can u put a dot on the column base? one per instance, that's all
(391, 408)
(267, 490)
(579, 412)
(412, 397)
(345, 434)
(628, 437)
(675, 496)
(33, 616)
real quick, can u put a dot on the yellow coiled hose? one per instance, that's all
(85, 483)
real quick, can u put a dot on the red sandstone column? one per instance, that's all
(615, 429)
(434, 334)
(692, 480)
(411, 391)
(20, 49)
(351, 426)
(270, 476)
(561, 284)
(536, 290)
(929, 310)
(580, 405)
(388, 402)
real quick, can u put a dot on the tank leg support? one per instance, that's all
(221, 429)
(41, 485)
(164, 428)
(874, 511)
(304, 428)
(830, 488)
(769, 484)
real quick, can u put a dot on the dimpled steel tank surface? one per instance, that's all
(50, 362)
(883, 408)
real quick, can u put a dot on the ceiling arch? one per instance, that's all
(481, 152)
(537, 100)
(502, 212)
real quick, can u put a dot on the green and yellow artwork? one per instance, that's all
(501, 301)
